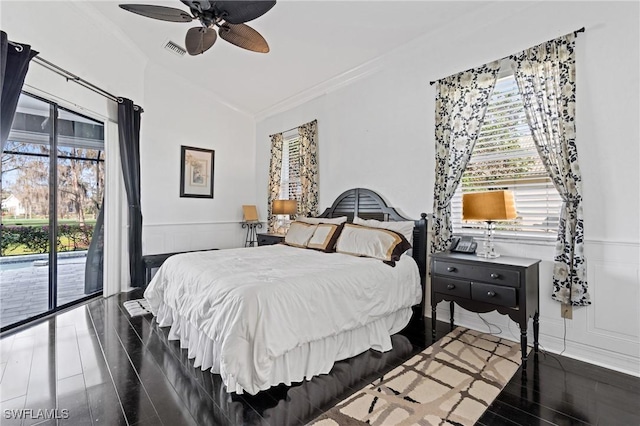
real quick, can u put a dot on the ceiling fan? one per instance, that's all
(228, 16)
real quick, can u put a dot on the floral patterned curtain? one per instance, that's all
(461, 103)
(308, 205)
(546, 79)
(275, 170)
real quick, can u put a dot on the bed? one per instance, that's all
(277, 314)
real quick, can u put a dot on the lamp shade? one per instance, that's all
(284, 207)
(249, 213)
(488, 206)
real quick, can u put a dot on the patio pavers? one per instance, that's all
(24, 290)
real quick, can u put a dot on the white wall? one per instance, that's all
(179, 113)
(376, 126)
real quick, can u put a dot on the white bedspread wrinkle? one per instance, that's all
(256, 304)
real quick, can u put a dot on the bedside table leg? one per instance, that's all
(536, 329)
(523, 342)
(451, 313)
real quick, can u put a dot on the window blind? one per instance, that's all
(290, 187)
(505, 157)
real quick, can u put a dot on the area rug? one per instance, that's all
(137, 307)
(450, 382)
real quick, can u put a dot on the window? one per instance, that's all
(505, 157)
(290, 187)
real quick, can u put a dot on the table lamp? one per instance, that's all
(284, 207)
(489, 206)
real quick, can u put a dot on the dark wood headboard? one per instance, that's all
(367, 204)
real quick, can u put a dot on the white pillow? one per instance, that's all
(299, 234)
(377, 243)
(317, 220)
(405, 227)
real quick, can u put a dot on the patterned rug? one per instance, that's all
(450, 382)
(137, 307)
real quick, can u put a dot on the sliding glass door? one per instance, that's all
(52, 195)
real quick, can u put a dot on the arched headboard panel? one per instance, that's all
(367, 204)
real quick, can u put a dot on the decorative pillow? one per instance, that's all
(377, 243)
(299, 234)
(325, 237)
(403, 227)
(317, 220)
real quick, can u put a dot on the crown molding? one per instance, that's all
(341, 80)
(376, 64)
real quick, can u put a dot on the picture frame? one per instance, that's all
(196, 172)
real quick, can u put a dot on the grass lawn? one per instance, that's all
(42, 222)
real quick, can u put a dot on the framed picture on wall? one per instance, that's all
(196, 172)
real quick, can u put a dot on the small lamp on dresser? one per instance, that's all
(489, 206)
(285, 208)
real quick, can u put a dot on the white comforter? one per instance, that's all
(256, 304)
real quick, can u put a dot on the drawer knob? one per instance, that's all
(495, 276)
(490, 293)
(451, 286)
(451, 269)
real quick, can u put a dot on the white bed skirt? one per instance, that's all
(303, 362)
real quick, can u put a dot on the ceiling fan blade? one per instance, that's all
(199, 40)
(238, 12)
(158, 12)
(244, 36)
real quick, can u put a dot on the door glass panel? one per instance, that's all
(24, 258)
(80, 184)
(44, 247)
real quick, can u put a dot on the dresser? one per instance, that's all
(509, 285)
(269, 239)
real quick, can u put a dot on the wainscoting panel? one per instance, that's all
(174, 237)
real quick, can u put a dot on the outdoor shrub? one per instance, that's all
(34, 238)
(9, 238)
(78, 237)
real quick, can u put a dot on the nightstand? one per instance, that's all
(269, 239)
(509, 285)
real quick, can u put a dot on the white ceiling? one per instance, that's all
(310, 41)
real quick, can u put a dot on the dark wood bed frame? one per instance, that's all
(367, 204)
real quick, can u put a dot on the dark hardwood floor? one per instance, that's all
(96, 365)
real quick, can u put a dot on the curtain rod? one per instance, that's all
(575, 33)
(69, 76)
(293, 128)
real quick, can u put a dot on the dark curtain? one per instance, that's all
(14, 63)
(129, 131)
(93, 270)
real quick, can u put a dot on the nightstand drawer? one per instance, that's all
(453, 269)
(498, 276)
(452, 287)
(494, 294)
(488, 273)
